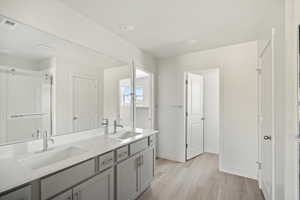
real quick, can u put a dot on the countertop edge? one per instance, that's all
(61, 166)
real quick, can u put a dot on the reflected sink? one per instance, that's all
(125, 135)
(43, 159)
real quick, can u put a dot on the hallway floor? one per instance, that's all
(199, 179)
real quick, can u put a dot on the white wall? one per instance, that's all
(56, 18)
(211, 110)
(238, 105)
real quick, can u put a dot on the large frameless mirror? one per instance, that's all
(51, 85)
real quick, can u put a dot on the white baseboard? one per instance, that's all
(237, 173)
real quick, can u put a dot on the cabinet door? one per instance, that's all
(100, 187)
(146, 168)
(20, 194)
(127, 179)
(64, 196)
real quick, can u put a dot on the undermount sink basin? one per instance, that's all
(43, 159)
(125, 135)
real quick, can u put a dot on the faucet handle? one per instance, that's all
(51, 140)
(105, 122)
(37, 134)
(46, 134)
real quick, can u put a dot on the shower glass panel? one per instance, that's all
(25, 104)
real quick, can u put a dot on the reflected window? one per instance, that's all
(125, 95)
(139, 95)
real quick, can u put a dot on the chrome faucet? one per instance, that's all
(116, 125)
(46, 139)
(105, 123)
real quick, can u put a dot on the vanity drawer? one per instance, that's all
(122, 153)
(22, 193)
(65, 179)
(138, 146)
(106, 160)
(64, 196)
(152, 140)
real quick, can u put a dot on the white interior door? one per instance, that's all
(194, 118)
(85, 103)
(267, 121)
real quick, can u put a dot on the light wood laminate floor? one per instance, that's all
(199, 179)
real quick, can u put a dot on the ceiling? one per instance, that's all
(163, 27)
(29, 44)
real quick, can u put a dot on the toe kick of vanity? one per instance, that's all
(120, 174)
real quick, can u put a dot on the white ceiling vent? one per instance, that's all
(7, 23)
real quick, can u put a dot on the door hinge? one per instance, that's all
(258, 70)
(186, 82)
(186, 146)
(186, 114)
(259, 165)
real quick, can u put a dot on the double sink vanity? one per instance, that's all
(96, 166)
(58, 100)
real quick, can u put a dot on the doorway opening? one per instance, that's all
(144, 99)
(202, 112)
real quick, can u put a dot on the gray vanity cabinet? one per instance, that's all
(146, 168)
(134, 175)
(20, 194)
(100, 187)
(120, 174)
(63, 180)
(127, 179)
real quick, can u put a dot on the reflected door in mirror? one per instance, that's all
(85, 103)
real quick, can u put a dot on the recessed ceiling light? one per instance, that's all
(127, 28)
(192, 41)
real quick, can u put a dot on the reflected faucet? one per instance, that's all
(116, 125)
(46, 139)
(105, 123)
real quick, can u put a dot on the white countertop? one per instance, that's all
(13, 173)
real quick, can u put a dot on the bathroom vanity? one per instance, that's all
(101, 167)
(67, 114)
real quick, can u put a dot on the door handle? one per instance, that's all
(75, 118)
(267, 137)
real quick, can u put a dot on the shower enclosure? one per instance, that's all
(25, 104)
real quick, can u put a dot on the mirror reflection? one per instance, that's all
(144, 99)
(49, 85)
